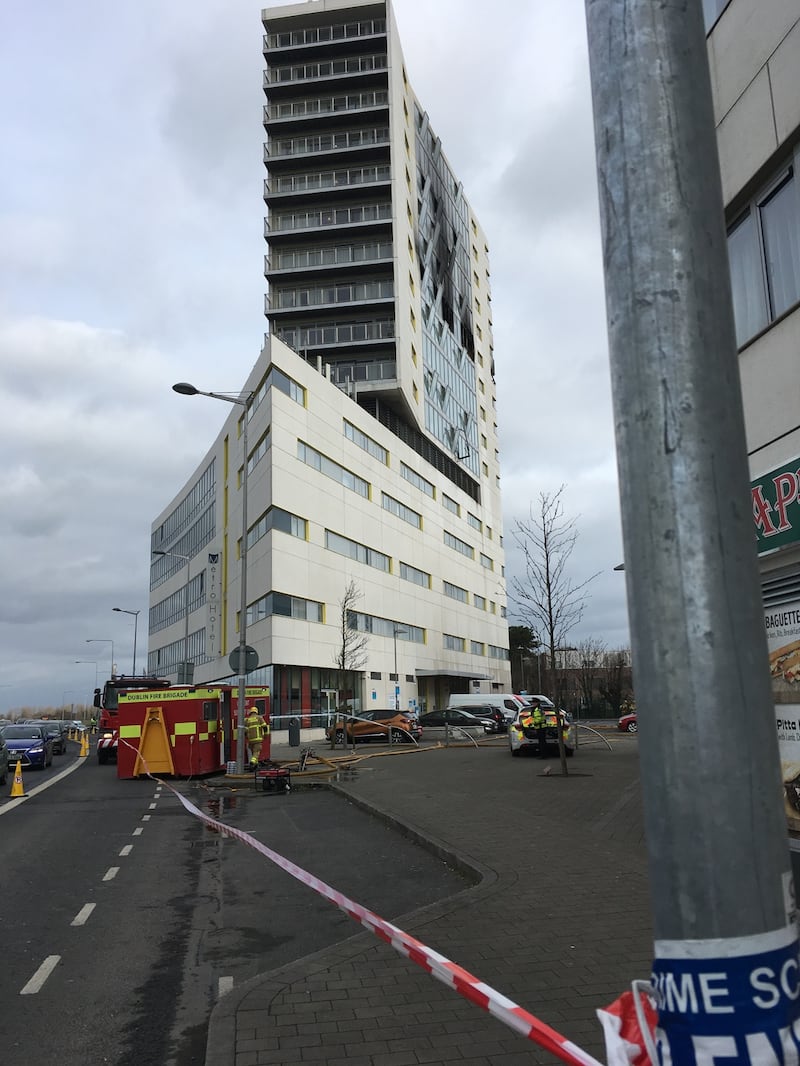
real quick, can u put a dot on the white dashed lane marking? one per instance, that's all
(126, 850)
(83, 914)
(41, 975)
(111, 873)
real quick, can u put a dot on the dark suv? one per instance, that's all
(488, 714)
(57, 733)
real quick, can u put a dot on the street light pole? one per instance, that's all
(185, 389)
(395, 630)
(135, 628)
(188, 561)
(100, 640)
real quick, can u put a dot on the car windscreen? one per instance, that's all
(22, 732)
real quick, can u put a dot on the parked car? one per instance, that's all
(627, 723)
(453, 717)
(507, 702)
(523, 737)
(57, 733)
(29, 744)
(485, 711)
(3, 758)
(376, 725)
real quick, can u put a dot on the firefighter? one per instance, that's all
(254, 729)
(534, 719)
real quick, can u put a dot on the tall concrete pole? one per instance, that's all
(716, 833)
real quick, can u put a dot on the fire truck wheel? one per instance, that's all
(102, 757)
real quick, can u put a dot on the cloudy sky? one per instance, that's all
(131, 257)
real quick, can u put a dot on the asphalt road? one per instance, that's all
(123, 917)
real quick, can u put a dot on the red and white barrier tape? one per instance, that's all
(463, 982)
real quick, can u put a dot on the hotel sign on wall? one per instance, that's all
(776, 507)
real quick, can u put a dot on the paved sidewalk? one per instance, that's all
(559, 923)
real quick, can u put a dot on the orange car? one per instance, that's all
(369, 725)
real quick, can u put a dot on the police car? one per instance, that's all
(523, 737)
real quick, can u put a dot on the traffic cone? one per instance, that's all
(17, 788)
(84, 746)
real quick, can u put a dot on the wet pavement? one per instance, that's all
(558, 920)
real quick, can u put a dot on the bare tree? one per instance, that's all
(591, 656)
(351, 652)
(550, 601)
(616, 686)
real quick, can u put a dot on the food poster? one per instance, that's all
(783, 640)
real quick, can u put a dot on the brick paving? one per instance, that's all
(559, 920)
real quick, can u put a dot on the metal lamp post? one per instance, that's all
(101, 640)
(185, 389)
(135, 614)
(395, 630)
(188, 561)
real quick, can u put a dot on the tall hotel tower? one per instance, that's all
(375, 561)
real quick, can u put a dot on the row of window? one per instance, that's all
(327, 105)
(764, 255)
(277, 379)
(326, 216)
(187, 510)
(332, 255)
(311, 457)
(186, 547)
(165, 660)
(337, 333)
(328, 142)
(295, 526)
(355, 292)
(326, 179)
(312, 71)
(280, 603)
(339, 31)
(453, 643)
(175, 607)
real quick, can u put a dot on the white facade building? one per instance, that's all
(373, 457)
(754, 56)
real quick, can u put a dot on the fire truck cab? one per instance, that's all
(107, 702)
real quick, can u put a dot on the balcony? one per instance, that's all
(364, 72)
(365, 217)
(290, 188)
(287, 42)
(336, 108)
(283, 151)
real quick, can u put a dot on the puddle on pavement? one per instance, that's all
(346, 773)
(217, 806)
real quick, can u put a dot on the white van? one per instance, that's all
(508, 702)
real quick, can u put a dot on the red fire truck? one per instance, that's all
(107, 702)
(148, 725)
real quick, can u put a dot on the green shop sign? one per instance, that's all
(776, 507)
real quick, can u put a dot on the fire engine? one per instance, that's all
(148, 725)
(107, 702)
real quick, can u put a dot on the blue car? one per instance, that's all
(28, 744)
